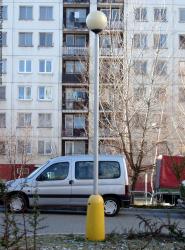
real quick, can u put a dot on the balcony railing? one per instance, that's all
(111, 51)
(76, 25)
(117, 25)
(76, 1)
(110, 1)
(75, 105)
(106, 132)
(72, 78)
(75, 51)
(74, 132)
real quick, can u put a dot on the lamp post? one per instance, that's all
(96, 22)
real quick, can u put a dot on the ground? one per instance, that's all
(119, 242)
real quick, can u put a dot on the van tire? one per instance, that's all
(111, 206)
(16, 203)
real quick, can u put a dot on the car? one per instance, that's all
(67, 181)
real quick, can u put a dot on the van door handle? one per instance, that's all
(71, 182)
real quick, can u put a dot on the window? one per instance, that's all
(45, 66)
(160, 41)
(45, 93)
(25, 66)
(182, 15)
(25, 13)
(44, 147)
(76, 18)
(112, 14)
(139, 93)
(140, 14)
(2, 120)
(3, 12)
(24, 147)
(159, 94)
(140, 67)
(3, 39)
(74, 67)
(57, 171)
(182, 68)
(161, 68)
(75, 40)
(181, 94)
(2, 148)
(44, 121)
(3, 63)
(24, 93)
(45, 39)
(160, 15)
(77, 147)
(46, 13)
(25, 39)
(107, 170)
(2, 93)
(140, 41)
(24, 119)
(182, 41)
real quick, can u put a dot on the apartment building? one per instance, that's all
(46, 98)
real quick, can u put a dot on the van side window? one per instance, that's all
(57, 171)
(109, 170)
(84, 170)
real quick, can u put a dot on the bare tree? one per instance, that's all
(133, 93)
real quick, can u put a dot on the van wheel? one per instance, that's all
(17, 203)
(111, 206)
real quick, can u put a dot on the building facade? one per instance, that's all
(46, 98)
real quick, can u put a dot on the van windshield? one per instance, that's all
(37, 170)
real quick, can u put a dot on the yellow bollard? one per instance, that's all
(95, 224)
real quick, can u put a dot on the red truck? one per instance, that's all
(169, 173)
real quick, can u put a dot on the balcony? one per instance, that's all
(73, 78)
(111, 1)
(117, 25)
(76, 1)
(111, 51)
(106, 132)
(76, 26)
(75, 105)
(75, 51)
(74, 132)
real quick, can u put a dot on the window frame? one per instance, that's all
(45, 39)
(3, 123)
(45, 61)
(25, 39)
(140, 9)
(26, 122)
(161, 12)
(24, 93)
(91, 176)
(44, 144)
(25, 18)
(43, 123)
(25, 66)
(45, 93)
(4, 13)
(3, 87)
(44, 19)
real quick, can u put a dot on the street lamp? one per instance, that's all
(96, 21)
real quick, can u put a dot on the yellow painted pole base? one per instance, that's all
(95, 223)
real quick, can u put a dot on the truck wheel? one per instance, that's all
(111, 206)
(17, 203)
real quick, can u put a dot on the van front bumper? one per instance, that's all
(125, 201)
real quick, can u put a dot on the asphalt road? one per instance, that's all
(60, 222)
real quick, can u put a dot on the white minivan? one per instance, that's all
(68, 181)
